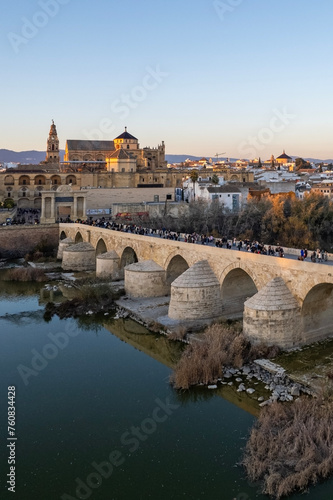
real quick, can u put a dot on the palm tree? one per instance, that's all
(194, 176)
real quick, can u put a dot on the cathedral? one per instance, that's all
(123, 154)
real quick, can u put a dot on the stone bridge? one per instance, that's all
(282, 301)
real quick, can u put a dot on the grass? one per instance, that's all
(291, 446)
(25, 274)
(222, 345)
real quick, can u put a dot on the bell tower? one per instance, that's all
(52, 148)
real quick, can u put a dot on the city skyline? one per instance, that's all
(227, 76)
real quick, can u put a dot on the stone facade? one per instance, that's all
(90, 153)
(26, 186)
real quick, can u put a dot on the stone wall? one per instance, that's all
(17, 241)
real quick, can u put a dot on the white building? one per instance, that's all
(226, 195)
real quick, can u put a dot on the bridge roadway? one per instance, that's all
(241, 274)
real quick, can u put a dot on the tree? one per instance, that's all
(259, 163)
(215, 179)
(194, 176)
(300, 163)
(9, 203)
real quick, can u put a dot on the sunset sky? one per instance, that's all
(246, 78)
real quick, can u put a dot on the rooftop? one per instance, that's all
(80, 145)
(126, 135)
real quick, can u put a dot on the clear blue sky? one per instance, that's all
(226, 72)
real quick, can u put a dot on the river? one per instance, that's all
(97, 418)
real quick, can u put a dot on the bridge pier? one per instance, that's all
(80, 257)
(107, 266)
(273, 316)
(196, 294)
(63, 244)
(145, 279)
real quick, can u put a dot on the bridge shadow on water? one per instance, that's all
(168, 353)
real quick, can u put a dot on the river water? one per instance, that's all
(97, 418)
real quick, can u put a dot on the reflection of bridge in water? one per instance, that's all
(295, 309)
(168, 353)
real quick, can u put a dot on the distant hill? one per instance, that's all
(182, 158)
(33, 157)
(314, 160)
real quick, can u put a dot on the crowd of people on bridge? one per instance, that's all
(203, 239)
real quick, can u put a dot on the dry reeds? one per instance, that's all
(178, 334)
(222, 345)
(155, 326)
(291, 446)
(25, 274)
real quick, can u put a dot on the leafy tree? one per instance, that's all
(9, 203)
(259, 163)
(300, 164)
(215, 179)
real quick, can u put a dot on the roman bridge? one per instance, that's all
(283, 301)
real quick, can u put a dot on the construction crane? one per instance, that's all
(217, 156)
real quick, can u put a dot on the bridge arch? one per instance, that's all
(237, 285)
(176, 266)
(317, 313)
(128, 257)
(63, 235)
(101, 247)
(78, 237)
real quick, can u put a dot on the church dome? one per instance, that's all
(126, 135)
